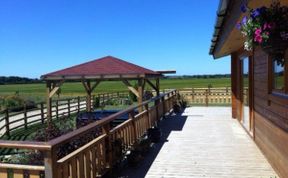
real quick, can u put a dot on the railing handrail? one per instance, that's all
(67, 137)
(67, 157)
(33, 145)
(21, 167)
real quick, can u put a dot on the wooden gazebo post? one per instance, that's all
(48, 103)
(141, 83)
(89, 90)
(51, 89)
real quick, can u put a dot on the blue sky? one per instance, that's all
(38, 37)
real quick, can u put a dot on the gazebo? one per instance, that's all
(104, 69)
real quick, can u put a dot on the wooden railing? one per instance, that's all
(97, 156)
(207, 96)
(10, 121)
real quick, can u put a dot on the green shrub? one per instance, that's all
(96, 102)
(13, 101)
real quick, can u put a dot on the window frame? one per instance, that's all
(271, 82)
(277, 96)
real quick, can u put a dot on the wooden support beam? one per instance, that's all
(55, 88)
(157, 86)
(151, 84)
(85, 86)
(90, 89)
(131, 88)
(94, 86)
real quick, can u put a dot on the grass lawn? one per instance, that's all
(37, 92)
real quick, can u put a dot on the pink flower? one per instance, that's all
(267, 26)
(258, 39)
(258, 31)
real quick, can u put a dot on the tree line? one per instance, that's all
(17, 80)
(204, 76)
(24, 80)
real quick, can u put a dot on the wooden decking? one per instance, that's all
(210, 144)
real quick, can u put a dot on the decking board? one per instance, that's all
(211, 144)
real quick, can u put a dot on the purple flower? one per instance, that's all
(255, 13)
(243, 8)
(244, 20)
(262, 9)
(239, 25)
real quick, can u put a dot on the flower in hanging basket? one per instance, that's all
(266, 27)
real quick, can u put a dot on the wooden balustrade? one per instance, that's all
(98, 155)
(87, 161)
(207, 96)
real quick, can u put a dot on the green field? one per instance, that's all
(36, 92)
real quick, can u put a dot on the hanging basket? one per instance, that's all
(275, 47)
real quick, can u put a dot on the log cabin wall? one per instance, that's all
(270, 112)
(271, 116)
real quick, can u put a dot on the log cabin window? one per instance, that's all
(280, 75)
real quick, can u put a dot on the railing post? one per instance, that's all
(69, 109)
(108, 143)
(50, 163)
(7, 122)
(25, 115)
(163, 104)
(131, 116)
(206, 97)
(57, 109)
(148, 115)
(156, 103)
(42, 112)
(78, 103)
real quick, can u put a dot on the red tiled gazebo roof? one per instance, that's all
(104, 68)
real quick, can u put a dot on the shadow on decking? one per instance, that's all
(167, 125)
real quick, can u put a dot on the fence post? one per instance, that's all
(78, 103)
(92, 102)
(206, 97)
(193, 93)
(25, 116)
(68, 104)
(42, 112)
(57, 109)
(7, 122)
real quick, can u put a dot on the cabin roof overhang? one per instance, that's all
(226, 38)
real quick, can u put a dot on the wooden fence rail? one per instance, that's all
(207, 96)
(98, 155)
(10, 121)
